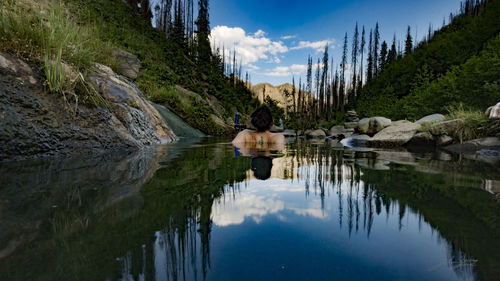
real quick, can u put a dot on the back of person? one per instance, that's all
(262, 120)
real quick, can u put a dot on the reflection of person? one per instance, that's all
(261, 167)
(262, 119)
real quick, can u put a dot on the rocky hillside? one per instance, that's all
(274, 92)
(37, 123)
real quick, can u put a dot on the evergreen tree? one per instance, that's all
(177, 34)
(309, 75)
(323, 82)
(146, 10)
(354, 60)
(294, 105)
(343, 66)
(300, 99)
(391, 56)
(376, 38)
(383, 56)
(203, 33)
(408, 42)
(369, 70)
(335, 90)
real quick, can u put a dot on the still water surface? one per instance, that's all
(200, 210)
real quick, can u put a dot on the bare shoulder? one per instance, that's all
(242, 136)
(278, 138)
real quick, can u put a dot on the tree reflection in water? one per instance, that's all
(166, 233)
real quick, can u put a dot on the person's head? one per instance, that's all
(261, 167)
(262, 119)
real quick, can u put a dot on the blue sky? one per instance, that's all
(274, 38)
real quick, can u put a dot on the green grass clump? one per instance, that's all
(473, 120)
(48, 36)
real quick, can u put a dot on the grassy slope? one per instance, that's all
(453, 53)
(81, 32)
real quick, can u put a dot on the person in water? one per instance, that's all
(262, 120)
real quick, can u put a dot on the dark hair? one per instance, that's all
(262, 119)
(261, 167)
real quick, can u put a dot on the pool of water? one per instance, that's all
(201, 210)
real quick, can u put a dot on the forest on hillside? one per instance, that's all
(455, 65)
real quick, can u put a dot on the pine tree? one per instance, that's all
(309, 75)
(294, 106)
(146, 10)
(354, 60)
(392, 54)
(203, 33)
(376, 38)
(177, 34)
(343, 66)
(369, 70)
(383, 56)
(335, 90)
(408, 42)
(323, 82)
(300, 99)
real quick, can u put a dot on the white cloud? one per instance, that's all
(250, 48)
(259, 33)
(288, 37)
(244, 206)
(318, 46)
(281, 71)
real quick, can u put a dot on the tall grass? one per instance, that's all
(48, 36)
(473, 121)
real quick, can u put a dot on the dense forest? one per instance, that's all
(456, 65)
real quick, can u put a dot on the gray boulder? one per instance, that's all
(446, 127)
(128, 64)
(429, 119)
(133, 116)
(397, 134)
(318, 133)
(373, 125)
(340, 132)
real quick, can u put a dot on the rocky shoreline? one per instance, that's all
(35, 123)
(430, 131)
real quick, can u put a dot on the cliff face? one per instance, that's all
(34, 123)
(275, 92)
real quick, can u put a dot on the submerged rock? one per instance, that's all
(356, 140)
(484, 149)
(373, 125)
(340, 132)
